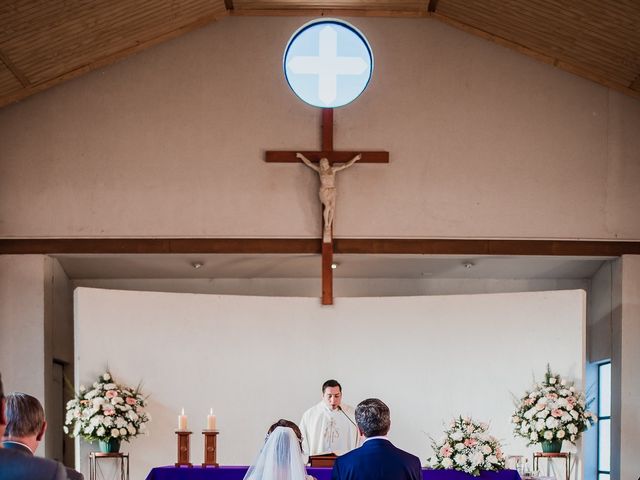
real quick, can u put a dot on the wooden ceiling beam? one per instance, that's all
(24, 81)
(577, 248)
(323, 12)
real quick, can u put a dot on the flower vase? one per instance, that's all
(552, 446)
(109, 446)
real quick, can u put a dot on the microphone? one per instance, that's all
(354, 424)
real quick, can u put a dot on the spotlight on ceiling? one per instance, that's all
(334, 266)
(197, 265)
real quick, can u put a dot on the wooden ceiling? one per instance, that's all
(45, 42)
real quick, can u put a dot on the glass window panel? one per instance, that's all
(604, 445)
(604, 476)
(604, 390)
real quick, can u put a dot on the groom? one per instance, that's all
(377, 458)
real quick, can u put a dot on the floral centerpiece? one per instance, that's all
(107, 412)
(551, 412)
(466, 446)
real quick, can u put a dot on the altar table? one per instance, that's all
(237, 473)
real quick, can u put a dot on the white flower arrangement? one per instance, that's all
(553, 410)
(106, 411)
(466, 446)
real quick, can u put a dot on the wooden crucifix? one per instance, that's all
(325, 158)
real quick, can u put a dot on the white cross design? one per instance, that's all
(327, 65)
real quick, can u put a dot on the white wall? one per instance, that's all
(257, 359)
(484, 142)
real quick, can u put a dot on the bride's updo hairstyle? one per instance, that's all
(289, 424)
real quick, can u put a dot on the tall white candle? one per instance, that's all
(211, 420)
(182, 421)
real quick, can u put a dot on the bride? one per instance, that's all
(281, 455)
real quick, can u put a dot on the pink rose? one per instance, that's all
(571, 400)
(109, 411)
(111, 394)
(556, 412)
(552, 396)
(131, 401)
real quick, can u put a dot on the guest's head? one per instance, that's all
(3, 421)
(25, 420)
(287, 424)
(332, 394)
(373, 418)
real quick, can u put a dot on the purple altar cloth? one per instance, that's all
(237, 473)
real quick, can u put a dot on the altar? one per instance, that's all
(237, 473)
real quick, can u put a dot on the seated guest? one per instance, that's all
(18, 466)
(26, 426)
(377, 458)
(281, 456)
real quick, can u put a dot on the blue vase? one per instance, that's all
(552, 447)
(109, 446)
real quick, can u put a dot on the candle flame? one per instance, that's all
(182, 411)
(211, 411)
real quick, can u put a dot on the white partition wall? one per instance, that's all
(258, 359)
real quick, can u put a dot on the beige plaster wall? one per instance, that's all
(484, 142)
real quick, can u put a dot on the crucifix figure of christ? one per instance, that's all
(323, 162)
(328, 193)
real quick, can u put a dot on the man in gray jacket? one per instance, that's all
(15, 465)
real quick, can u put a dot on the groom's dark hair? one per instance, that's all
(373, 417)
(331, 383)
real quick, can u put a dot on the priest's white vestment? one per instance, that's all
(328, 431)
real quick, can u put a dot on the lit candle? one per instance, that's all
(211, 420)
(182, 421)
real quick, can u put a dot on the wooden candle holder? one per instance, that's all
(183, 449)
(210, 448)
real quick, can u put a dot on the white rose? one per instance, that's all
(543, 414)
(131, 429)
(574, 414)
(552, 380)
(540, 425)
(551, 422)
(548, 435)
(560, 434)
(515, 419)
(457, 436)
(533, 437)
(460, 459)
(477, 458)
(106, 377)
(115, 432)
(101, 431)
(123, 431)
(447, 462)
(459, 446)
(492, 459)
(571, 428)
(486, 449)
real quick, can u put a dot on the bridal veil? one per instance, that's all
(279, 459)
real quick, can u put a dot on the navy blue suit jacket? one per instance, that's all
(15, 465)
(377, 459)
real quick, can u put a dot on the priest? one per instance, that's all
(329, 426)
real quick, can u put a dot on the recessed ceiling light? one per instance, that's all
(467, 265)
(197, 265)
(334, 266)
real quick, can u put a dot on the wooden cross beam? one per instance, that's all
(332, 157)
